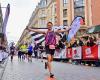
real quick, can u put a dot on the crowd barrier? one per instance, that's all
(3, 55)
(78, 53)
(83, 53)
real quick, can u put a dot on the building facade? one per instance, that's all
(63, 12)
(38, 19)
(88, 9)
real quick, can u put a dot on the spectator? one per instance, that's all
(74, 44)
(90, 42)
(81, 42)
(36, 51)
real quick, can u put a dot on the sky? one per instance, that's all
(20, 13)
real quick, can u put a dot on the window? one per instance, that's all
(65, 22)
(65, 13)
(78, 3)
(55, 19)
(65, 2)
(79, 12)
(43, 11)
(55, 8)
(43, 3)
(46, 1)
(43, 21)
(79, 8)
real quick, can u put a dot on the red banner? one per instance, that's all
(69, 53)
(90, 52)
(77, 53)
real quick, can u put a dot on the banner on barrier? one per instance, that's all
(77, 53)
(99, 51)
(90, 52)
(61, 54)
(69, 53)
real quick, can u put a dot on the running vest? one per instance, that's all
(50, 38)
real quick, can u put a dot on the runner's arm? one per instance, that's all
(35, 30)
(60, 31)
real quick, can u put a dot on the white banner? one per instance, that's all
(98, 51)
(61, 54)
(77, 53)
(6, 18)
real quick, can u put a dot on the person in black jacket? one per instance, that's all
(81, 42)
(36, 50)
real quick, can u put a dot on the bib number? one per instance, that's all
(51, 46)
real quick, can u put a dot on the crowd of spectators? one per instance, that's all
(85, 40)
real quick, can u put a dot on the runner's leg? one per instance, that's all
(49, 62)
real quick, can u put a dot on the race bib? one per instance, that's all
(51, 46)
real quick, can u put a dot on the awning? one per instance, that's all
(94, 29)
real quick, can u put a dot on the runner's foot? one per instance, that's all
(51, 75)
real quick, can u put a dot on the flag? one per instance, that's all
(6, 18)
(74, 28)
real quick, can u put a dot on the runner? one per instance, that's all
(23, 49)
(12, 51)
(36, 51)
(19, 54)
(30, 51)
(50, 43)
(41, 52)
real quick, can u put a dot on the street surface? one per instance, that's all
(25, 70)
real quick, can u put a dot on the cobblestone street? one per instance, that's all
(24, 70)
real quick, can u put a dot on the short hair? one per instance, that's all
(50, 23)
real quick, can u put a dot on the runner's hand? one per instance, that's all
(29, 29)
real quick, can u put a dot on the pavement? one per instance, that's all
(2, 67)
(24, 70)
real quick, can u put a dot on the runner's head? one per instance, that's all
(49, 25)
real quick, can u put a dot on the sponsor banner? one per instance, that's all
(6, 18)
(61, 54)
(99, 51)
(77, 53)
(90, 52)
(1, 55)
(69, 53)
(74, 28)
